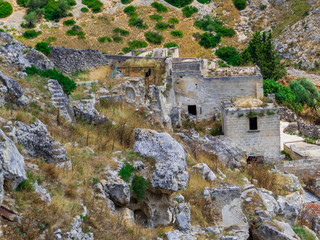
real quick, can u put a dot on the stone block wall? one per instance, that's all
(191, 88)
(265, 141)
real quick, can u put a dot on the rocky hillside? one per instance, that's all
(98, 165)
(294, 24)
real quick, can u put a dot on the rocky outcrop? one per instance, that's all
(69, 60)
(116, 189)
(44, 195)
(133, 90)
(275, 230)
(12, 91)
(229, 154)
(183, 217)
(170, 171)
(60, 100)
(37, 142)
(308, 130)
(206, 172)
(291, 206)
(227, 203)
(88, 113)
(13, 166)
(15, 54)
(287, 115)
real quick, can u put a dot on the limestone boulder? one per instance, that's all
(291, 205)
(37, 142)
(206, 172)
(170, 171)
(183, 216)
(13, 166)
(275, 231)
(88, 113)
(44, 195)
(117, 189)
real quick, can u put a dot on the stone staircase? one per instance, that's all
(60, 100)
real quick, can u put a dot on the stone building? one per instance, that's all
(256, 130)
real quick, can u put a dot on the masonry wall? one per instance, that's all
(265, 141)
(191, 88)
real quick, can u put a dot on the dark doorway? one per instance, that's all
(253, 123)
(192, 109)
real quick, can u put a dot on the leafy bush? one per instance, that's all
(204, 1)
(84, 10)
(305, 92)
(170, 45)
(94, 5)
(210, 24)
(43, 47)
(179, 3)
(54, 10)
(229, 54)
(139, 186)
(138, 23)
(5, 9)
(69, 22)
(173, 20)
(127, 49)
(126, 1)
(104, 39)
(30, 34)
(76, 31)
(27, 185)
(303, 234)
(155, 17)
(159, 7)
(126, 171)
(116, 38)
(208, 40)
(225, 32)
(188, 11)
(122, 32)
(176, 33)
(153, 37)
(284, 95)
(130, 11)
(137, 44)
(161, 26)
(66, 83)
(1, 30)
(240, 4)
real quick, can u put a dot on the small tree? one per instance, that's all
(30, 18)
(43, 47)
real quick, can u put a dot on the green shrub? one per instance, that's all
(131, 11)
(69, 22)
(225, 32)
(43, 47)
(208, 40)
(84, 10)
(76, 31)
(126, 171)
(138, 23)
(305, 92)
(49, 40)
(1, 30)
(126, 1)
(161, 26)
(30, 34)
(127, 49)
(155, 17)
(228, 54)
(116, 38)
(204, 1)
(303, 234)
(27, 185)
(5, 9)
(188, 11)
(122, 32)
(159, 7)
(176, 33)
(179, 3)
(104, 39)
(66, 83)
(170, 45)
(240, 4)
(139, 186)
(153, 37)
(94, 5)
(137, 44)
(54, 10)
(173, 20)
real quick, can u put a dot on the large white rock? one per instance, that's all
(170, 173)
(12, 162)
(117, 189)
(206, 172)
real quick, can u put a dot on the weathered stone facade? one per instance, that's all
(262, 141)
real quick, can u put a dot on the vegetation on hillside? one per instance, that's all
(5, 9)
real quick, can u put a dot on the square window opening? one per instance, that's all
(253, 123)
(192, 109)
